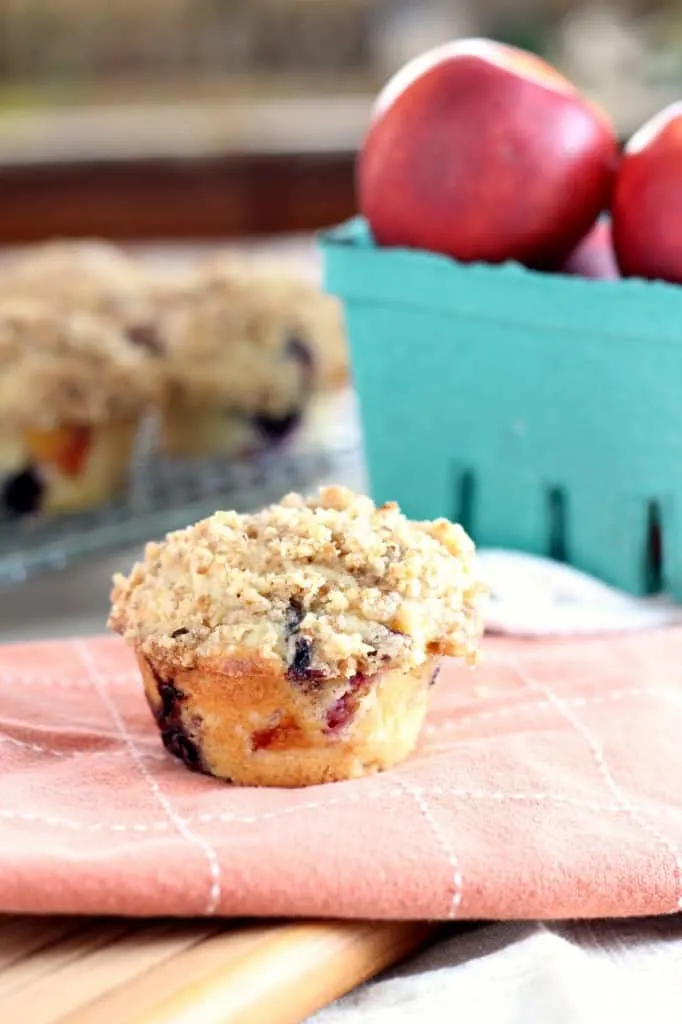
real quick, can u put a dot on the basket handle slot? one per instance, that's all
(466, 501)
(557, 517)
(654, 554)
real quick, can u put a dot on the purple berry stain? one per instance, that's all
(22, 493)
(169, 719)
(299, 666)
(340, 713)
(293, 617)
(298, 350)
(276, 428)
(179, 745)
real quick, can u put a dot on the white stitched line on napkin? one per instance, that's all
(88, 731)
(38, 748)
(177, 821)
(605, 773)
(497, 796)
(64, 682)
(70, 825)
(545, 703)
(418, 795)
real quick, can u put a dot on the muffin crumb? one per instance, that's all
(328, 587)
(60, 366)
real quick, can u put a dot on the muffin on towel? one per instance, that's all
(296, 645)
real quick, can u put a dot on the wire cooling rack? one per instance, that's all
(166, 494)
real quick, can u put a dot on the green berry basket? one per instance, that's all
(544, 412)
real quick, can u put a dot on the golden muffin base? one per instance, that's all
(194, 430)
(102, 476)
(244, 721)
(191, 430)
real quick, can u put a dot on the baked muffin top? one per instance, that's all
(86, 275)
(324, 587)
(311, 314)
(251, 338)
(58, 366)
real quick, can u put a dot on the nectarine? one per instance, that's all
(483, 152)
(647, 200)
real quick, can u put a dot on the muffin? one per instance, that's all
(245, 350)
(72, 391)
(296, 646)
(88, 276)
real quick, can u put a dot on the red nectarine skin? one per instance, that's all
(485, 153)
(647, 200)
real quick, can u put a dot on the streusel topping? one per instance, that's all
(86, 275)
(252, 339)
(64, 367)
(328, 587)
(313, 315)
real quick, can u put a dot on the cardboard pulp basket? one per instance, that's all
(542, 411)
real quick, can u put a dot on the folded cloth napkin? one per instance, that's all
(545, 786)
(576, 972)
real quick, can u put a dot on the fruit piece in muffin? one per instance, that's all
(245, 350)
(72, 390)
(296, 645)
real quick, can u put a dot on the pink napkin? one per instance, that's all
(546, 785)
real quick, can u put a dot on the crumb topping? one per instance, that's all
(90, 276)
(252, 339)
(328, 587)
(67, 367)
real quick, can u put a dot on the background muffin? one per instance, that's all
(85, 275)
(296, 645)
(245, 351)
(72, 391)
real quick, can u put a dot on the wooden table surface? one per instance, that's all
(112, 971)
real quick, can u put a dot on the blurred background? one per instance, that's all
(186, 123)
(199, 119)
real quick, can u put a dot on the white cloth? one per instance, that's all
(533, 596)
(568, 973)
(578, 973)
